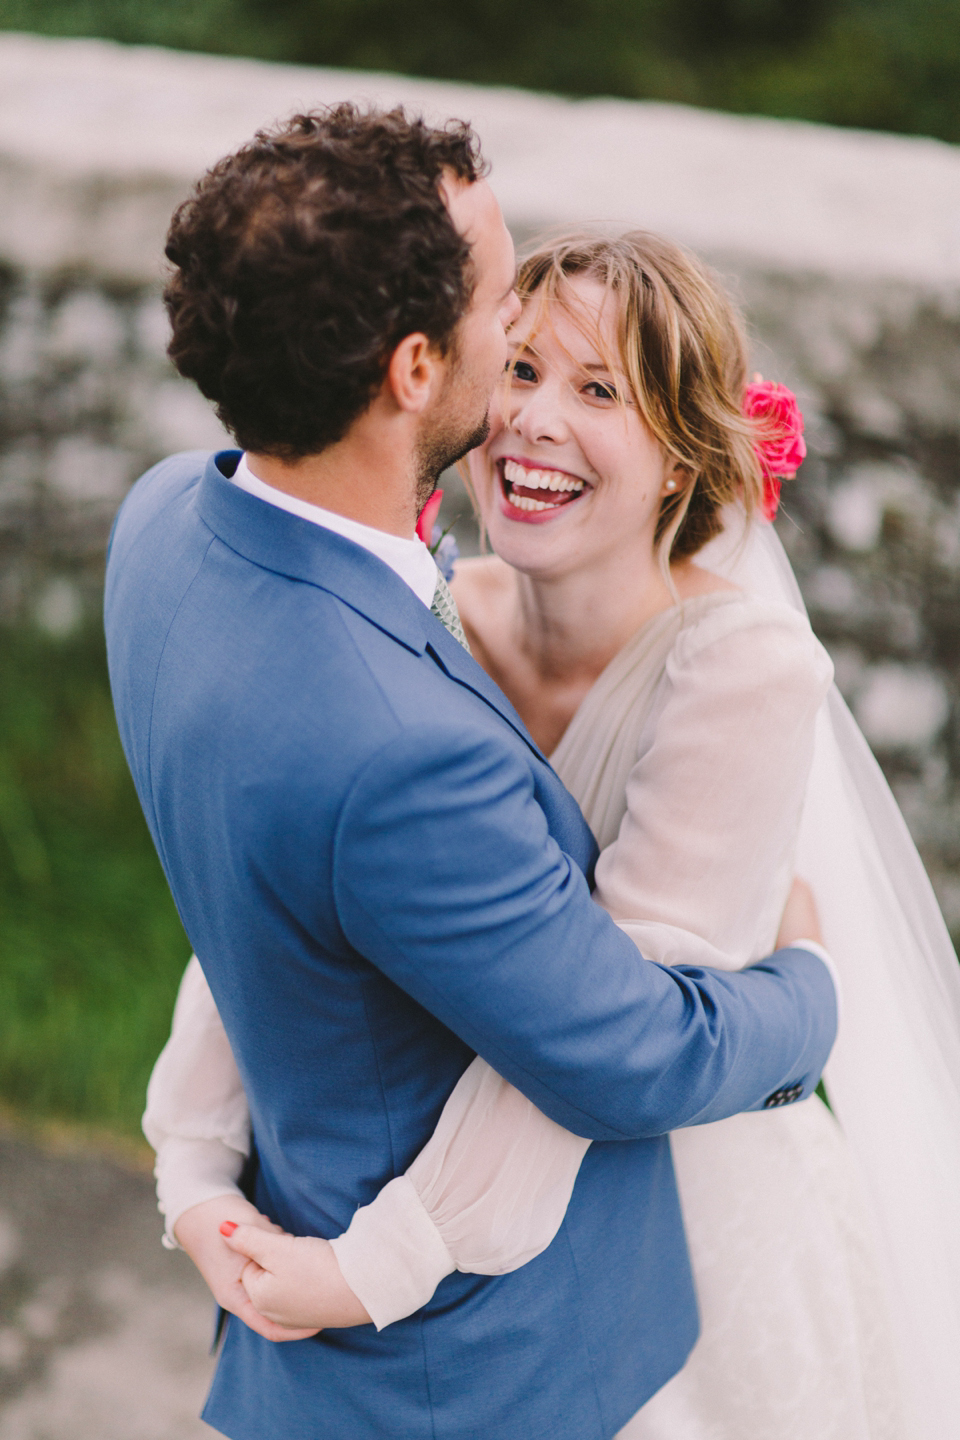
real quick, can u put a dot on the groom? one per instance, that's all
(381, 872)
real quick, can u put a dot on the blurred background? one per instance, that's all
(842, 246)
(806, 147)
(881, 64)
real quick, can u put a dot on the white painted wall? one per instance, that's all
(97, 140)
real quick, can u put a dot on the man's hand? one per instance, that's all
(294, 1280)
(801, 920)
(222, 1266)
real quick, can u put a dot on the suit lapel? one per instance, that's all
(462, 668)
(290, 545)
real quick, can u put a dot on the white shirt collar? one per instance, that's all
(410, 559)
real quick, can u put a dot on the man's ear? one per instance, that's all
(413, 374)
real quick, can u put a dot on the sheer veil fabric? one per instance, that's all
(894, 1076)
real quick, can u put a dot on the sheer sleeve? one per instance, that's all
(698, 874)
(197, 1119)
(703, 861)
(487, 1193)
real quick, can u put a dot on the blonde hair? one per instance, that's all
(682, 348)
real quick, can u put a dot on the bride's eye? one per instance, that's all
(522, 370)
(601, 391)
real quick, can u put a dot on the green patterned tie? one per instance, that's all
(445, 608)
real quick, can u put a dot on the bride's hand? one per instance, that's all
(294, 1280)
(198, 1232)
(800, 920)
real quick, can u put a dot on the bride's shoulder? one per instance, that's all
(762, 641)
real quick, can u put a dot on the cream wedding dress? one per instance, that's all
(691, 759)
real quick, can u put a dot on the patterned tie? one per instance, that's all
(445, 608)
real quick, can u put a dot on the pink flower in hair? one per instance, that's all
(779, 441)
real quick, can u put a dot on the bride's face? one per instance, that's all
(569, 472)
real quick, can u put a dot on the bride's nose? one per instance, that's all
(538, 415)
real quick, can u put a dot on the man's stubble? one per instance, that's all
(459, 422)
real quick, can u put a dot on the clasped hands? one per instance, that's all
(289, 1287)
(285, 1287)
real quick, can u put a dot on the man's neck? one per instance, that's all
(352, 478)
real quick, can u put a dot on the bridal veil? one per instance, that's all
(893, 1079)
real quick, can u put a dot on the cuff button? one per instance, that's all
(785, 1096)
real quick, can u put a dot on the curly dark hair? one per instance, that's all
(301, 262)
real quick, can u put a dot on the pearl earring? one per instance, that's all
(671, 485)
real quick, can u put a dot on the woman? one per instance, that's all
(681, 703)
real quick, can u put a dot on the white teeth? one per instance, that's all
(527, 502)
(539, 479)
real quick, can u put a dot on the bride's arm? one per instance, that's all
(712, 804)
(698, 874)
(197, 1119)
(486, 1194)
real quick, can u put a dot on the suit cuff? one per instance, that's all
(392, 1255)
(815, 948)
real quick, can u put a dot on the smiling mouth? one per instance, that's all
(533, 489)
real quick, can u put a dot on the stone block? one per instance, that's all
(86, 328)
(901, 707)
(81, 470)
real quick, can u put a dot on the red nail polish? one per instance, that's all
(228, 1227)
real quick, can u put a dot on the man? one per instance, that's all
(381, 873)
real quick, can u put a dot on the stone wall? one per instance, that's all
(852, 290)
(87, 401)
(872, 523)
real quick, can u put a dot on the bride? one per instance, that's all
(687, 706)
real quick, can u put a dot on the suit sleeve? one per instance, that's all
(447, 879)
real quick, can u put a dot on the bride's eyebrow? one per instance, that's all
(600, 368)
(516, 347)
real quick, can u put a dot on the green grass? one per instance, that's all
(91, 949)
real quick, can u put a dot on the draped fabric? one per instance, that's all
(894, 1075)
(691, 759)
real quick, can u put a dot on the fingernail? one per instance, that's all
(228, 1227)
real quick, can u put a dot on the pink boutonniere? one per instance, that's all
(428, 517)
(779, 443)
(441, 544)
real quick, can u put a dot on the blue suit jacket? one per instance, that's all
(382, 875)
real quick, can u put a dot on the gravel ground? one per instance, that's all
(103, 1334)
